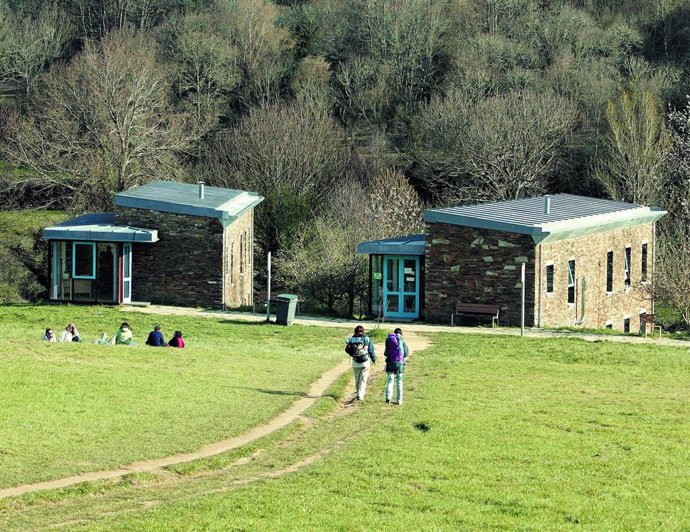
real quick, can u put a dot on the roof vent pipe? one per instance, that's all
(201, 190)
(547, 204)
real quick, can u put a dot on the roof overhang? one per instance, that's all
(227, 213)
(555, 231)
(99, 227)
(406, 245)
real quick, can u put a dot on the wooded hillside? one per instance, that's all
(347, 115)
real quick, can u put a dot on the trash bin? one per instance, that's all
(286, 305)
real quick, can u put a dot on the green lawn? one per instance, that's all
(69, 408)
(496, 433)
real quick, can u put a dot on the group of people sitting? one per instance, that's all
(123, 336)
(70, 334)
(156, 338)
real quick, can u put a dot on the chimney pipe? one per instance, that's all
(547, 204)
(201, 190)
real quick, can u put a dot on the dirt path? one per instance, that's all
(415, 342)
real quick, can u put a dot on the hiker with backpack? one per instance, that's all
(361, 350)
(396, 354)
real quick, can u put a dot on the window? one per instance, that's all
(609, 325)
(84, 260)
(609, 271)
(626, 325)
(571, 281)
(242, 253)
(628, 252)
(549, 279)
(643, 264)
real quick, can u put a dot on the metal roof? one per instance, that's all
(226, 204)
(569, 216)
(98, 227)
(402, 245)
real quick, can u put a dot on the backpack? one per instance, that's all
(393, 352)
(357, 349)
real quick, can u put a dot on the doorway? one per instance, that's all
(401, 286)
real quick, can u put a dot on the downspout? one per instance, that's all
(540, 290)
(225, 258)
(651, 282)
(583, 292)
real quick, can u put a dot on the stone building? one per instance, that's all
(588, 262)
(166, 242)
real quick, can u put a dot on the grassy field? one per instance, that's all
(496, 433)
(69, 408)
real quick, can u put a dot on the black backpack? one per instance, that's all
(357, 349)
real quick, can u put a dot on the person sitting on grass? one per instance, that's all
(49, 335)
(103, 340)
(177, 341)
(70, 334)
(123, 336)
(155, 338)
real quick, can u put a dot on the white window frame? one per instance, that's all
(93, 260)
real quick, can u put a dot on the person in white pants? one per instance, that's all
(361, 350)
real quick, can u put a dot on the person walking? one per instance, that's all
(361, 350)
(396, 354)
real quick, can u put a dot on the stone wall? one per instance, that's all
(186, 266)
(239, 261)
(477, 266)
(590, 255)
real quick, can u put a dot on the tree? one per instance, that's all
(395, 207)
(103, 123)
(633, 168)
(503, 147)
(295, 155)
(671, 283)
(28, 46)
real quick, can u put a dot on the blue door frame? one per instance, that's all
(401, 292)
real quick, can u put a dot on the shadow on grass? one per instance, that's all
(293, 393)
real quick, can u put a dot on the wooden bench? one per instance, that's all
(480, 310)
(650, 319)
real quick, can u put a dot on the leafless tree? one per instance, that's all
(103, 123)
(633, 169)
(294, 155)
(28, 46)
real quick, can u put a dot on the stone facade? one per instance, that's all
(482, 266)
(239, 261)
(476, 266)
(601, 308)
(187, 266)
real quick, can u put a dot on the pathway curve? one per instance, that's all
(416, 343)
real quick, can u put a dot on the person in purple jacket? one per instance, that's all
(396, 354)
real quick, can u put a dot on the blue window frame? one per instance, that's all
(83, 260)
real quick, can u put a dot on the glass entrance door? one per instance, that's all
(126, 273)
(401, 287)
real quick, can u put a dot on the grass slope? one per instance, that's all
(70, 408)
(496, 433)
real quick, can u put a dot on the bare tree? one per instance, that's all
(395, 207)
(500, 148)
(28, 46)
(102, 123)
(633, 169)
(671, 283)
(294, 155)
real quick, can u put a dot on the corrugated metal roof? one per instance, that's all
(184, 198)
(98, 227)
(402, 245)
(569, 214)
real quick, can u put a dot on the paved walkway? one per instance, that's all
(411, 327)
(416, 343)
